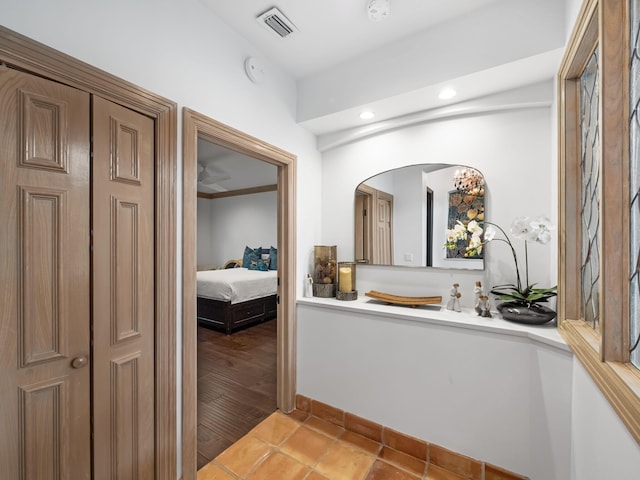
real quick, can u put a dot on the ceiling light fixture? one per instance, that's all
(367, 115)
(446, 94)
(377, 10)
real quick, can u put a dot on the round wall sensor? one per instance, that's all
(254, 69)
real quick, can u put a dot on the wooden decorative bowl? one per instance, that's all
(400, 300)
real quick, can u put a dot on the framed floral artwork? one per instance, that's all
(464, 207)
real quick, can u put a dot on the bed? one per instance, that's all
(234, 298)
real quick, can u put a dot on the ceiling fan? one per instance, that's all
(210, 177)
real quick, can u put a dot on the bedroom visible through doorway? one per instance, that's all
(197, 127)
(237, 212)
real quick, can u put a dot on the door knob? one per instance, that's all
(79, 362)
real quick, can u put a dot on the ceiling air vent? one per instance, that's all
(275, 21)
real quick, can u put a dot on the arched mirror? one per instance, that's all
(402, 216)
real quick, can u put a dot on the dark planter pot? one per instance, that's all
(519, 313)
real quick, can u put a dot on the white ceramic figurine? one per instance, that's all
(454, 300)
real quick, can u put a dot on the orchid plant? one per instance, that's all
(530, 230)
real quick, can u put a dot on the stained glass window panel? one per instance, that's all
(590, 191)
(634, 186)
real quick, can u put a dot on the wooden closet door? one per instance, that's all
(45, 282)
(383, 248)
(123, 293)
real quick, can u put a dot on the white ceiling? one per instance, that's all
(335, 35)
(333, 31)
(237, 171)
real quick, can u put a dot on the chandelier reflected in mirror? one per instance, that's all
(469, 180)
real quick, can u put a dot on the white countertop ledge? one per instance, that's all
(438, 315)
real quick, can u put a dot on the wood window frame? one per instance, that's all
(604, 352)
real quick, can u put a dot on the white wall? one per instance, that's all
(511, 147)
(184, 52)
(205, 256)
(499, 398)
(233, 223)
(601, 445)
(180, 50)
(572, 8)
(409, 230)
(503, 32)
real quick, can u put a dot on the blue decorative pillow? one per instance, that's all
(250, 254)
(259, 264)
(273, 257)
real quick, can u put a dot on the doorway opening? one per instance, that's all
(429, 225)
(199, 127)
(236, 304)
(373, 226)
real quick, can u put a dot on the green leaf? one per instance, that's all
(507, 297)
(527, 296)
(532, 297)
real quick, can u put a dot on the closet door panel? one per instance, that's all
(123, 286)
(45, 278)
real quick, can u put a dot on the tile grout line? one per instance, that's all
(336, 439)
(225, 469)
(303, 420)
(317, 461)
(376, 456)
(309, 413)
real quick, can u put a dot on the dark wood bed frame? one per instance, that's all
(230, 317)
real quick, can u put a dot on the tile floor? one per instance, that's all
(300, 446)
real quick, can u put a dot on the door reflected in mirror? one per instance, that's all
(402, 216)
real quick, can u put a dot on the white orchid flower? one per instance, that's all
(474, 228)
(460, 231)
(541, 229)
(543, 237)
(542, 222)
(475, 242)
(490, 233)
(521, 228)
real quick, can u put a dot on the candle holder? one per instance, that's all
(346, 281)
(325, 271)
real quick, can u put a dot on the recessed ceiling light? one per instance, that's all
(366, 115)
(446, 94)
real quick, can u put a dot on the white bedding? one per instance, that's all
(236, 284)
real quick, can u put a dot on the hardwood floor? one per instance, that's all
(236, 385)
